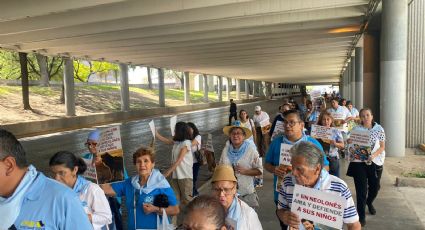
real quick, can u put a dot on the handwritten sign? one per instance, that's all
(285, 156)
(173, 121)
(318, 206)
(321, 132)
(152, 127)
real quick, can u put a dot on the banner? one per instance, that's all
(321, 132)
(318, 207)
(284, 163)
(359, 148)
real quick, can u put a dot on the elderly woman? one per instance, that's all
(367, 176)
(68, 169)
(307, 170)
(204, 212)
(242, 155)
(239, 214)
(331, 146)
(146, 193)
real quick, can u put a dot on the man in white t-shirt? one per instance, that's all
(340, 115)
(262, 127)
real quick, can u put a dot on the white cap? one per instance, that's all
(257, 108)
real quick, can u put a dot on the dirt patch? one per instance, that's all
(402, 166)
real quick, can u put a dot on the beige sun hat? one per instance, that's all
(223, 173)
(227, 129)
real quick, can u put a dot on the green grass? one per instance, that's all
(415, 174)
(45, 91)
(101, 87)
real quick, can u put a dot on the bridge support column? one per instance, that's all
(359, 77)
(246, 89)
(68, 72)
(393, 74)
(161, 87)
(220, 88)
(186, 88)
(229, 87)
(125, 93)
(238, 89)
(353, 80)
(205, 88)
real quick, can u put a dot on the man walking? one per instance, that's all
(233, 111)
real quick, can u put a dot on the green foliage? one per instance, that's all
(415, 174)
(83, 70)
(9, 65)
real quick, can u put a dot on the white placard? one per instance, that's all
(285, 156)
(321, 132)
(360, 137)
(152, 127)
(318, 206)
(173, 121)
(264, 123)
(209, 146)
(315, 94)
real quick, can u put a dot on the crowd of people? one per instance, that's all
(29, 199)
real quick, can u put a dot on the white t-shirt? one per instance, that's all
(97, 206)
(260, 118)
(185, 168)
(250, 160)
(341, 113)
(196, 147)
(249, 218)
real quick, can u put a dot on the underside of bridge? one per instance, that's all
(296, 41)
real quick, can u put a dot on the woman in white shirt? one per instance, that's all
(248, 123)
(181, 168)
(196, 147)
(68, 169)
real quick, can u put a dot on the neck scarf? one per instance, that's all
(236, 154)
(234, 212)
(155, 181)
(11, 207)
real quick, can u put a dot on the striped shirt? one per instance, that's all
(327, 183)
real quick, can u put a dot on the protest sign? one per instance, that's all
(319, 207)
(359, 148)
(265, 126)
(209, 146)
(284, 163)
(173, 121)
(315, 94)
(90, 172)
(278, 129)
(109, 160)
(321, 132)
(152, 127)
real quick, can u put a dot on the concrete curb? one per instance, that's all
(34, 128)
(410, 182)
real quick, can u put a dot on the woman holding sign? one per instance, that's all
(68, 169)
(367, 174)
(148, 194)
(332, 145)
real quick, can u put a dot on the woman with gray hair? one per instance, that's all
(307, 170)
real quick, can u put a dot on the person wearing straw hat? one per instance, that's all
(239, 215)
(242, 155)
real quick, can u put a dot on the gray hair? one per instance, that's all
(312, 154)
(210, 207)
(10, 146)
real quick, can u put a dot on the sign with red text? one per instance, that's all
(321, 132)
(319, 207)
(109, 160)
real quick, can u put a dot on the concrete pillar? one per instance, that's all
(161, 87)
(69, 86)
(186, 88)
(359, 77)
(229, 87)
(246, 89)
(211, 83)
(220, 88)
(348, 94)
(353, 80)
(125, 93)
(393, 74)
(205, 88)
(238, 89)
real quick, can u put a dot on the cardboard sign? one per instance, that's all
(173, 121)
(278, 129)
(359, 148)
(109, 161)
(321, 132)
(319, 207)
(152, 127)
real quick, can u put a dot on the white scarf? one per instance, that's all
(11, 207)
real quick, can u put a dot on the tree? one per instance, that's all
(24, 78)
(148, 69)
(83, 70)
(175, 74)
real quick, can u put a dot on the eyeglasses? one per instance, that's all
(290, 123)
(90, 144)
(226, 191)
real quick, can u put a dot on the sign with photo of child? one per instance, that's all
(359, 149)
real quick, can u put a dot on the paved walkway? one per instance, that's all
(395, 206)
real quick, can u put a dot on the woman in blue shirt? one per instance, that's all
(143, 191)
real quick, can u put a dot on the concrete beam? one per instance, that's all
(125, 93)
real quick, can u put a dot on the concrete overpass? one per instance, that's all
(272, 41)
